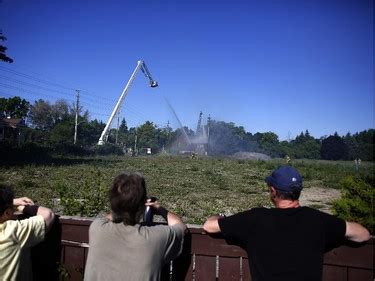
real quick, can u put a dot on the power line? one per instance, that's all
(89, 100)
(89, 94)
(2, 68)
(70, 95)
(36, 86)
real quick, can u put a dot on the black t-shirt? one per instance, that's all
(284, 244)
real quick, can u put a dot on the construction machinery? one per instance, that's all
(140, 66)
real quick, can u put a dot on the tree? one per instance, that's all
(123, 132)
(365, 144)
(120, 135)
(353, 146)
(62, 133)
(310, 149)
(301, 138)
(3, 56)
(41, 115)
(89, 132)
(251, 143)
(334, 148)
(147, 136)
(226, 138)
(60, 111)
(305, 146)
(268, 142)
(45, 116)
(14, 107)
(54, 121)
(286, 148)
(165, 137)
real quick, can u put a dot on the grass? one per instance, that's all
(193, 188)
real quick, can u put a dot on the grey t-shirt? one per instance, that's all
(123, 252)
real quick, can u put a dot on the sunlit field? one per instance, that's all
(193, 188)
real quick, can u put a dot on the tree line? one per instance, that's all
(52, 125)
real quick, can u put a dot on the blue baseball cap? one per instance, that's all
(285, 178)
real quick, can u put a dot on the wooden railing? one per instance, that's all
(203, 258)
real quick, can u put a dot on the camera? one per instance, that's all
(148, 215)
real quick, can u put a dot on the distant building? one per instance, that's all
(10, 129)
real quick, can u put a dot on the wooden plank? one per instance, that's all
(75, 220)
(362, 257)
(245, 269)
(75, 232)
(205, 268)
(73, 261)
(334, 273)
(340, 264)
(229, 268)
(183, 267)
(85, 254)
(355, 274)
(203, 244)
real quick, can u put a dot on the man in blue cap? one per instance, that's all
(286, 242)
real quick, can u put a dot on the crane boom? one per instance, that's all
(140, 66)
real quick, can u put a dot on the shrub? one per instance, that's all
(25, 153)
(356, 203)
(65, 149)
(86, 198)
(108, 149)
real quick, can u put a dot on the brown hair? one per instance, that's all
(288, 195)
(6, 198)
(127, 197)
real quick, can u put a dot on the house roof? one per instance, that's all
(11, 122)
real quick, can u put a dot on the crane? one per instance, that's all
(153, 84)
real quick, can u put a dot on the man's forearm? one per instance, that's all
(170, 217)
(48, 216)
(34, 210)
(212, 224)
(356, 232)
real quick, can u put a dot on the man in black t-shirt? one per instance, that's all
(286, 242)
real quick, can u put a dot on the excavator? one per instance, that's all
(153, 84)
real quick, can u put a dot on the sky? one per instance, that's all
(280, 66)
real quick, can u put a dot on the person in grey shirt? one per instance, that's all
(122, 247)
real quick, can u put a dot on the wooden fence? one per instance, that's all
(204, 257)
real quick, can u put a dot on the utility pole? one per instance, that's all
(76, 123)
(118, 125)
(208, 132)
(135, 143)
(167, 140)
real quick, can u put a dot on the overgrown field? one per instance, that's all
(193, 188)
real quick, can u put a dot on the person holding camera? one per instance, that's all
(18, 236)
(122, 247)
(286, 242)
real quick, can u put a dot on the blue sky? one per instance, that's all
(280, 66)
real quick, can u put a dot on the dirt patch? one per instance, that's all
(319, 198)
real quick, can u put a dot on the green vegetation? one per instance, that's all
(193, 188)
(357, 201)
(52, 127)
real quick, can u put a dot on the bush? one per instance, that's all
(25, 153)
(108, 149)
(69, 149)
(87, 197)
(356, 203)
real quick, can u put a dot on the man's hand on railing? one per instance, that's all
(212, 225)
(170, 217)
(22, 201)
